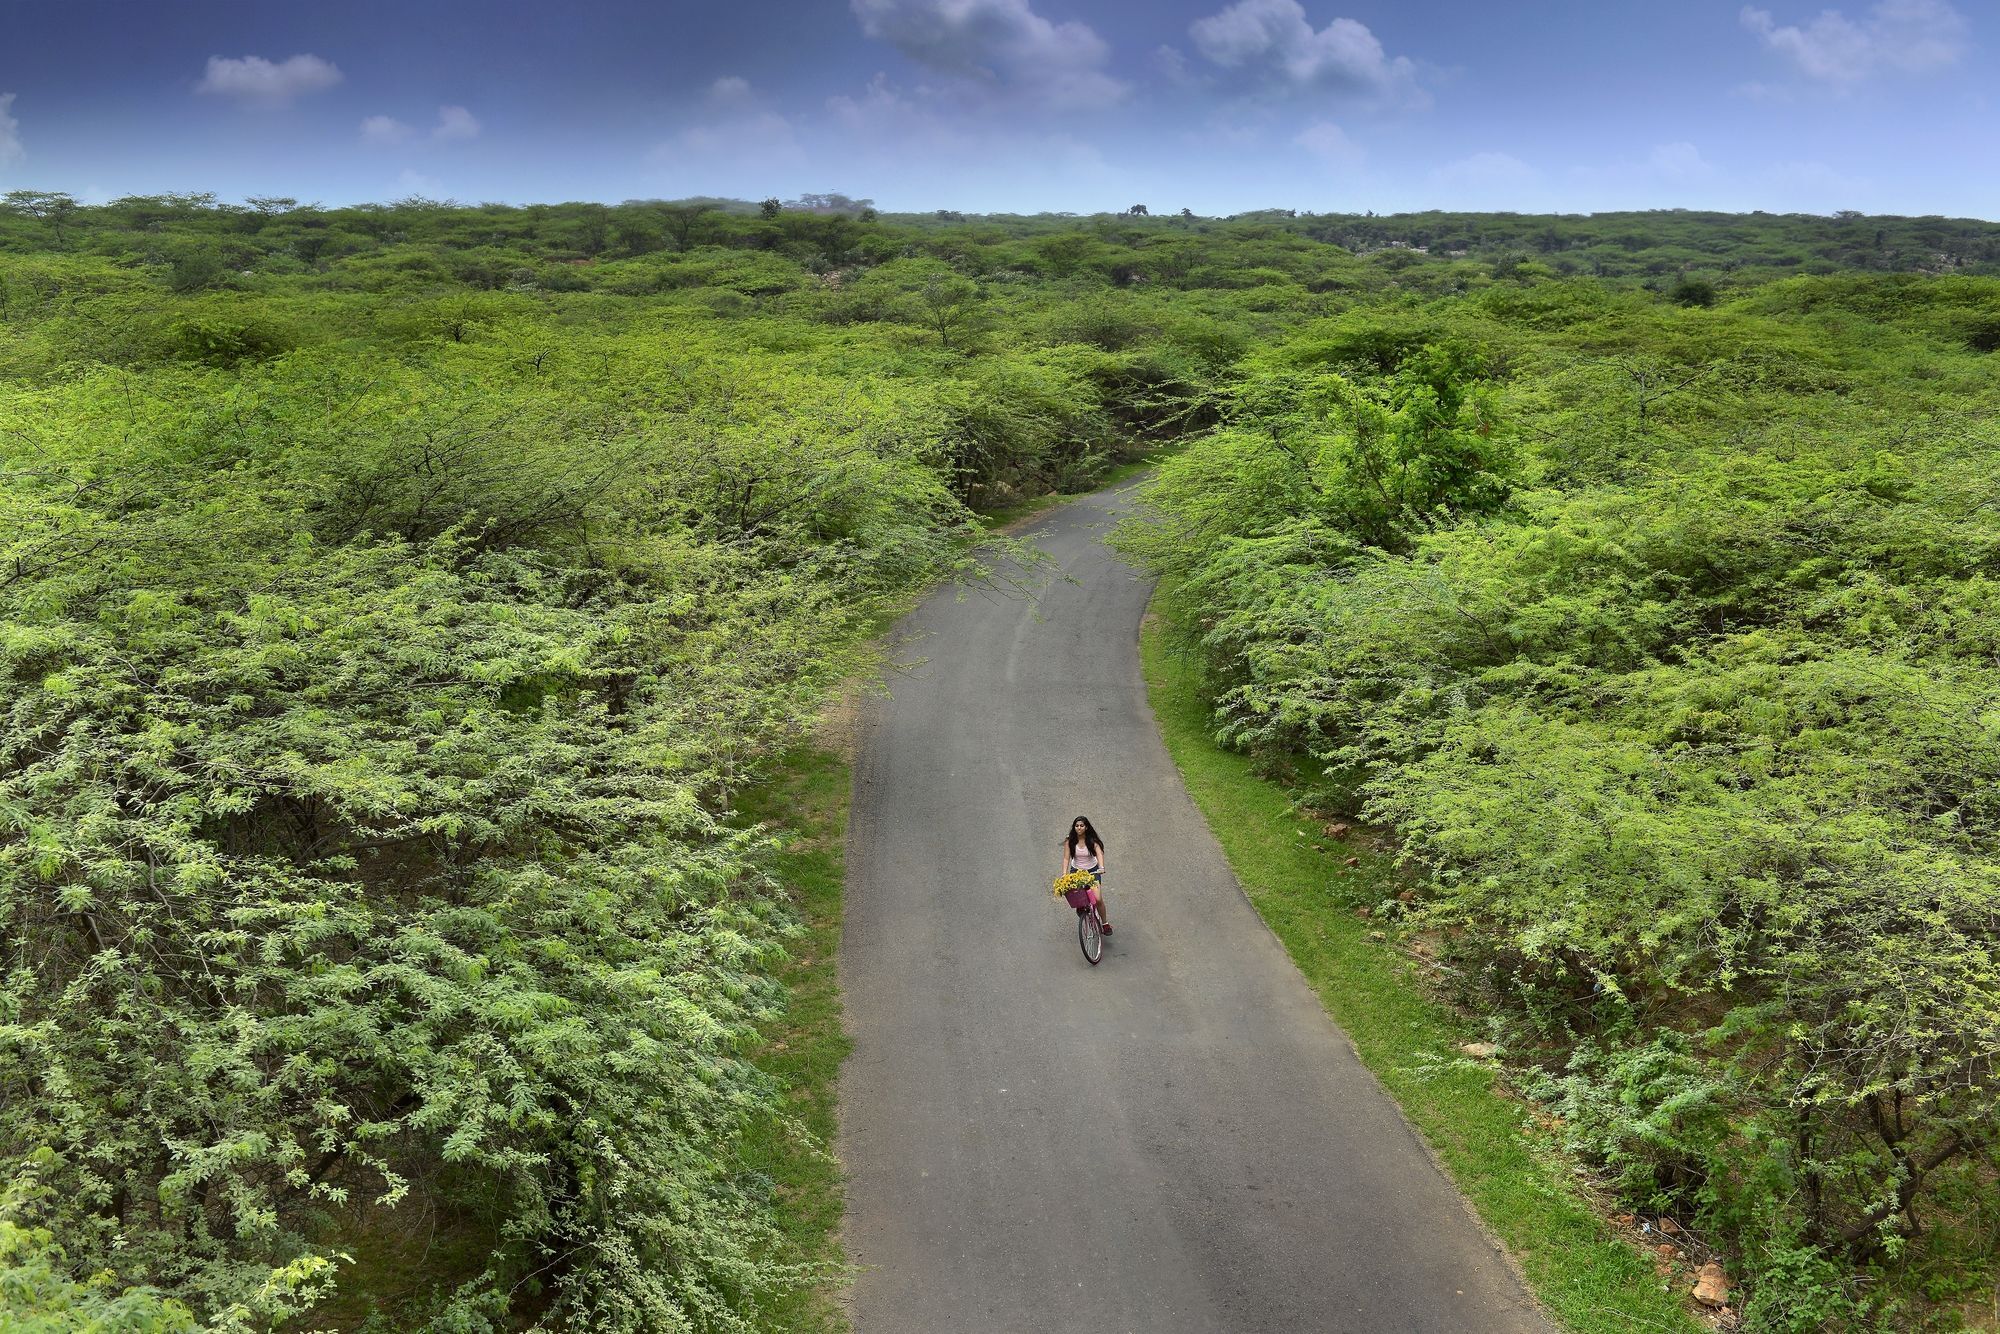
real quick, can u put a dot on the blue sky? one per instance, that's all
(1020, 105)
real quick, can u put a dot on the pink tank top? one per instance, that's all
(1084, 860)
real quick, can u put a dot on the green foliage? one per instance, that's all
(38, 1295)
(1691, 291)
(1024, 421)
(1695, 736)
(1422, 450)
(216, 340)
(194, 265)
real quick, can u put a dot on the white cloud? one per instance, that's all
(1902, 36)
(385, 130)
(11, 150)
(455, 123)
(1330, 144)
(877, 132)
(879, 107)
(761, 137)
(1173, 66)
(1273, 43)
(730, 91)
(999, 47)
(888, 127)
(257, 79)
(1679, 162)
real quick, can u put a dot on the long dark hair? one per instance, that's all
(1090, 838)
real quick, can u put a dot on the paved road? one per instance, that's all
(1177, 1139)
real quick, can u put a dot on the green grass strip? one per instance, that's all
(807, 800)
(1580, 1270)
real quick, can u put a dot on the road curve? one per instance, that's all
(1177, 1139)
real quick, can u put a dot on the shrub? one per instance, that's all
(1690, 291)
(215, 340)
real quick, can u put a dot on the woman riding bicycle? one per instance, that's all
(1083, 850)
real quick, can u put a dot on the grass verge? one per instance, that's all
(803, 1048)
(1528, 1195)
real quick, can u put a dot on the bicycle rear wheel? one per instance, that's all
(1090, 935)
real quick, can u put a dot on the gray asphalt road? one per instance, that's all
(1177, 1139)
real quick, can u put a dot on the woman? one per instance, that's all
(1083, 850)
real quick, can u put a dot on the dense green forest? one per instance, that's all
(393, 601)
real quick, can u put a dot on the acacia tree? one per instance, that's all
(593, 228)
(50, 206)
(683, 219)
(948, 306)
(1065, 254)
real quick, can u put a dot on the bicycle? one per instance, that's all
(1089, 923)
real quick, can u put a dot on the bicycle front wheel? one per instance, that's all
(1090, 936)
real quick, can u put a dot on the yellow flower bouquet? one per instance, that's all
(1075, 880)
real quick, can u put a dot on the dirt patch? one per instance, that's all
(839, 728)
